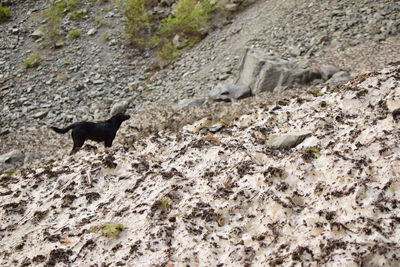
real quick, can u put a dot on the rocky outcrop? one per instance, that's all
(263, 72)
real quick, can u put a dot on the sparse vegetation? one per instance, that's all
(189, 21)
(5, 13)
(109, 229)
(137, 22)
(74, 33)
(167, 50)
(33, 60)
(164, 204)
(54, 15)
(100, 22)
(316, 92)
(314, 150)
(77, 15)
(9, 172)
(106, 36)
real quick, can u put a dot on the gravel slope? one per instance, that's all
(225, 199)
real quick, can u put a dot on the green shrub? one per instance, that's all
(106, 36)
(54, 15)
(33, 60)
(5, 13)
(190, 19)
(77, 15)
(74, 33)
(108, 229)
(137, 21)
(167, 50)
(100, 22)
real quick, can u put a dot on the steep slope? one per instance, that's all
(228, 198)
(85, 77)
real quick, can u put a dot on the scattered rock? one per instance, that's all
(187, 103)
(225, 92)
(38, 33)
(305, 77)
(328, 71)
(339, 77)
(119, 107)
(40, 114)
(92, 31)
(12, 159)
(288, 140)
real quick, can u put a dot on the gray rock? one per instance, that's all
(262, 71)
(40, 114)
(339, 77)
(38, 33)
(288, 140)
(119, 107)
(187, 103)
(328, 71)
(215, 127)
(95, 82)
(31, 156)
(11, 159)
(178, 42)
(306, 76)
(92, 31)
(227, 91)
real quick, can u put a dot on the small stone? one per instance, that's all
(178, 42)
(215, 127)
(92, 32)
(59, 44)
(288, 140)
(95, 82)
(189, 103)
(38, 33)
(339, 77)
(40, 114)
(12, 157)
(119, 107)
(227, 91)
(328, 71)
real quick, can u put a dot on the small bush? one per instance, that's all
(33, 60)
(316, 92)
(74, 33)
(100, 22)
(109, 229)
(77, 15)
(54, 15)
(189, 21)
(5, 13)
(167, 49)
(106, 36)
(137, 21)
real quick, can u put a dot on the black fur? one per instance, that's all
(100, 132)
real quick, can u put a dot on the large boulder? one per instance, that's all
(263, 72)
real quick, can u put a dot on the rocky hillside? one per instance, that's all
(308, 173)
(84, 77)
(308, 179)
